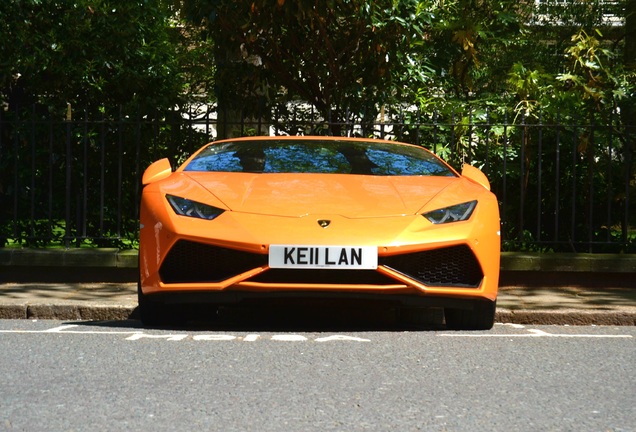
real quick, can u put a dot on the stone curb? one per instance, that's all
(567, 317)
(568, 262)
(67, 312)
(100, 258)
(119, 313)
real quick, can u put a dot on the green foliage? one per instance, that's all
(72, 74)
(344, 58)
(97, 53)
(473, 80)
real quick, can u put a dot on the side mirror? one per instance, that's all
(475, 174)
(158, 170)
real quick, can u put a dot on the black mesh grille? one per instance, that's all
(189, 262)
(453, 266)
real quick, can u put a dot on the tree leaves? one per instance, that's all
(90, 52)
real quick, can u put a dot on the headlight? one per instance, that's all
(456, 213)
(186, 207)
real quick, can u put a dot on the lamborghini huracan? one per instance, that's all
(319, 217)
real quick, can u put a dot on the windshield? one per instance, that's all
(317, 156)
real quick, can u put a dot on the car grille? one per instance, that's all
(189, 262)
(452, 266)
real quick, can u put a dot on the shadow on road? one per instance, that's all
(266, 317)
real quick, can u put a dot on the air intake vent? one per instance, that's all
(190, 262)
(453, 266)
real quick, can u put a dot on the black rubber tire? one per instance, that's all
(420, 317)
(480, 317)
(154, 313)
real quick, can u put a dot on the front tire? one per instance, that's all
(480, 317)
(421, 317)
(152, 312)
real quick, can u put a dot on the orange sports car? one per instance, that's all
(314, 217)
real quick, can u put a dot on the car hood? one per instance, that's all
(298, 195)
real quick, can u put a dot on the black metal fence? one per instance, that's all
(562, 186)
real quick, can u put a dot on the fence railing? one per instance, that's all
(562, 186)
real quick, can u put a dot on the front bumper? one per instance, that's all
(230, 275)
(456, 262)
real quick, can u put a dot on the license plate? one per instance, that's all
(333, 257)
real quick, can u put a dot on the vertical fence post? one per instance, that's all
(85, 171)
(590, 153)
(50, 162)
(575, 150)
(557, 179)
(522, 174)
(504, 203)
(608, 173)
(629, 152)
(69, 173)
(469, 147)
(120, 152)
(138, 173)
(435, 128)
(102, 172)
(539, 176)
(418, 121)
(33, 138)
(487, 134)
(454, 148)
(16, 176)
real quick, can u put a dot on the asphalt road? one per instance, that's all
(113, 376)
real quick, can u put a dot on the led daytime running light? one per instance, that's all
(186, 207)
(456, 213)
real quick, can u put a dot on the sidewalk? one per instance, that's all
(563, 290)
(520, 305)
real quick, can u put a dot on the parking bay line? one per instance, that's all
(535, 333)
(138, 334)
(65, 329)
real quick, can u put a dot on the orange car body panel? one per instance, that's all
(267, 209)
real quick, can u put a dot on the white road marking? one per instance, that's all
(289, 338)
(61, 328)
(538, 332)
(341, 338)
(219, 337)
(533, 333)
(168, 337)
(513, 325)
(136, 335)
